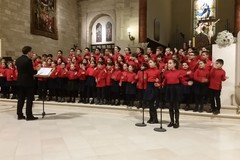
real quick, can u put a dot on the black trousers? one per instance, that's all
(25, 93)
(100, 93)
(215, 99)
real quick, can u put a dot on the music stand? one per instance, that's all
(44, 73)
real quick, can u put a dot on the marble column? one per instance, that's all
(142, 21)
(237, 17)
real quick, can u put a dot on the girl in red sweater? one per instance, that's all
(201, 82)
(141, 83)
(81, 83)
(115, 88)
(72, 83)
(150, 95)
(11, 80)
(130, 86)
(90, 82)
(173, 79)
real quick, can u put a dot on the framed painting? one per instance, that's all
(44, 18)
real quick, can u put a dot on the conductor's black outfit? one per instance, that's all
(25, 83)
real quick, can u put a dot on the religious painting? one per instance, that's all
(156, 29)
(205, 18)
(44, 18)
(109, 32)
(98, 32)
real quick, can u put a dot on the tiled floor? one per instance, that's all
(104, 134)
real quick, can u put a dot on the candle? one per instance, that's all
(193, 42)
(189, 43)
(184, 46)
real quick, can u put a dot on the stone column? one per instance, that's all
(142, 21)
(237, 17)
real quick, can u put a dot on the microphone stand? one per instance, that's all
(160, 129)
(143, 124)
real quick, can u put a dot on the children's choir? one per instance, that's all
(153, 79)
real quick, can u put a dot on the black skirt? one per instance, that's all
(186, 89)
(130, 88)
(52, 83)
(90, 81)
(150, 92)
(173, 93)
(72, 85)
(115, 88)
(81, 85)
(61, 83)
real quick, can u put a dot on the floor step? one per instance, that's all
(226, 111)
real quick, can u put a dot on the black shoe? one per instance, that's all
(149, 121)
(117, 103)
(176, 125)
(216, 112)
(21, 117)
(171, 124)
(92, 102)
(154, 122)
(14, 97)
(210, 111)
(31, 118)
(187, 108)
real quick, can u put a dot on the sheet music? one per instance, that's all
(44, 72)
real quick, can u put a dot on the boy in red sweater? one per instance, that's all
(217, 75)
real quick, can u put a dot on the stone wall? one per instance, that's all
(15, 28)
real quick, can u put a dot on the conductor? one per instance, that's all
(25, 83)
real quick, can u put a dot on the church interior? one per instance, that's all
(114, 119)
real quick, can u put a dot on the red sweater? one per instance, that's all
(173, 77)
(101, 75)
(161, 66)
(193, 64)
(127, 57)
(54, 73)
(81, 74)
(108, 78)
(11, 74)
(72, 75)
(216, 78)
(90, 71)
(186, 76)
(131, 77)
(116, 75)
(141, 80)
(3, 72)
(153, 75)
(124, 76)
(201, 74)
(62, 73)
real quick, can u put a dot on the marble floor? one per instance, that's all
(76, 133)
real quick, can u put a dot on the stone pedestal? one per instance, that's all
(228, 54)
